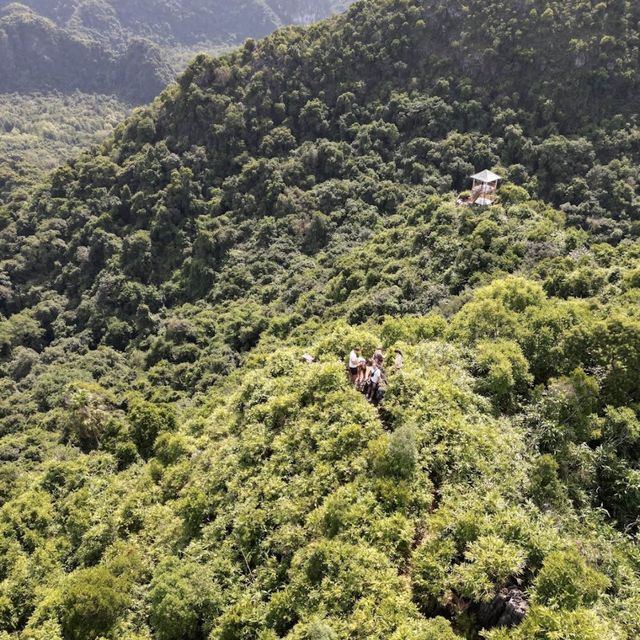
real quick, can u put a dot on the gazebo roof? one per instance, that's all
(486, 176)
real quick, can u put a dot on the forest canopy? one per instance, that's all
(72, 70)
(130, 48)
(172, 468)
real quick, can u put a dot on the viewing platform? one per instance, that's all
(484, 189)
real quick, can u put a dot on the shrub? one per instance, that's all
(542, 623)
(91, 601)
(566, 581)
(147, 421)
(435, 629)
(180, 599)
(546, 488)
(489, 563)
(504, 372)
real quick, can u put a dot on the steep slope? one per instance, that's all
(38, 56)
(127, 49)
(106, 47)
(187, 22)
(38, 132)
(174, 471)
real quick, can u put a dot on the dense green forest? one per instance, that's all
(71, 69)
(182, 22)
(38, 132)
(131, 48)
(39, 56)
(173, 470)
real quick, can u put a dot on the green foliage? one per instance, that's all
(489, 563)
(107, 47)
(91, 600)
(546, 624)
(395, 455)
(434, 629)
(147, 422)
(42, 56)
(180, 599)
(171, 465)
(505, 372)
(567, 582)
(89, 416)
(39, 132)
(546, 487)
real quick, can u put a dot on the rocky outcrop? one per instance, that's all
(507, 609)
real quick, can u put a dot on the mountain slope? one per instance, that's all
(174, 471)
(125, 48)
(52, 51)
(189, 22)
(37, 132)
(38, 56)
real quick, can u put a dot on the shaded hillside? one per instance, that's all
(39, 56)
(187, 22)
(129, 49)
(173, 470)
(125, 48)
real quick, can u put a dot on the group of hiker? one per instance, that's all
(368, 374)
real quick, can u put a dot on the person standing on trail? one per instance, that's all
(399, 361)
(362, 373)
(374, 382)
(353, 364)
(378, 394)
(365, 381)
(378, 356)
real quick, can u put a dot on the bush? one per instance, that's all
(91, 601)
(546, 488)
(566, 581)
(542, 623)
(180, 600)
(435, 629)
(147, 421)
(489, 563)
(504, 372)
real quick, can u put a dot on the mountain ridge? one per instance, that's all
(38, 56)
(176, 470)
(84, 45)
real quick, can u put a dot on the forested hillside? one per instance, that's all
(37, 55)
(91, 59)
(172, 470)
(125, 47)
(184, 22)
(38, 132)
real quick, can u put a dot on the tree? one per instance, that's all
(91, 602)
(147, 422)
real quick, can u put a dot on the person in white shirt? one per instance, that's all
(399, 361)
(374, 381)
(353, 364)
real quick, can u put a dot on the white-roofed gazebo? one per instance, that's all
(485, 188)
